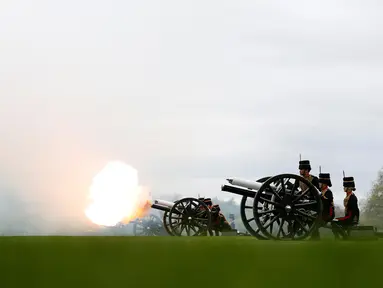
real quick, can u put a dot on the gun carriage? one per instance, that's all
(284, 207)
(150, 225)
(189, 217)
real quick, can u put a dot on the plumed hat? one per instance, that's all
(348, 182)
(304, 165)
(325, 179)
(208, 201)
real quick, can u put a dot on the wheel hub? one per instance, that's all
(288, 208)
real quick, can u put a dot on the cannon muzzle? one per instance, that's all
(162, 208)
(162, 205)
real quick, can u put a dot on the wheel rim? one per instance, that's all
(148, 226)
(189, 217)
(288, 213)
(247, 215)
(166, 223)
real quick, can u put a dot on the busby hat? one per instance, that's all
(208, 202)
(325, 179)
(304, 165)
(348, 182)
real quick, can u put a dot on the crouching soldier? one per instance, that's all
(219, 222)
(341, 225)
(208, 203)
(327, 198)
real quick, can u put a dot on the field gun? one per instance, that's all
(187, 215)
(192, 216)
(150, 225)
(284, 207)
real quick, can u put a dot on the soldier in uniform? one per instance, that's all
(219, 222)
(327, 198)
(341, 225)
(208, 202)
(304, 171)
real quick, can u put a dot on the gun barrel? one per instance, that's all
(241, 191)
(254, 185)
(162, 205)
(238, 191)
(162, 208)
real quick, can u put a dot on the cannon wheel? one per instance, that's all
(299, 210)
(246, 221)
(148, 226)
(189, 215)
(167, 227)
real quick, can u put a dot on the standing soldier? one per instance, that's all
(327, 198)
(304, 171)
(351, 210)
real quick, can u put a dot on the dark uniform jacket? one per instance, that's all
(313, 179)
(351, 210)
(328, 205)
(219, 221)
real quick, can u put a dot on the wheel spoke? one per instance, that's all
(305, 204)
(273, 192)
(301, 224)
(301, 195)
(305, 214)
(295, 186)
(271, 202)
(283, 189)
(280, 229)
(266, 212)
(272, 221)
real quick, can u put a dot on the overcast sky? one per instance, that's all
(187, 92)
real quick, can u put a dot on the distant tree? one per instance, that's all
(373, 208)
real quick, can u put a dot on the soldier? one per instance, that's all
(327, 198)
(351, 210)
(219, 221)
(208, 202)
(304, 171)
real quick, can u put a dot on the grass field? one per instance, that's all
(186, 262)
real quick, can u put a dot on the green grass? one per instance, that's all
(114, 262)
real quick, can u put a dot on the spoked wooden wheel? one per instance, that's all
(167, 227)
(291, 213)
(247, 215)
(189, 217)
(148, 226)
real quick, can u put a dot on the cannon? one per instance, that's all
(284, 207)
(150, 225)
(192, 217)
(188, 215)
